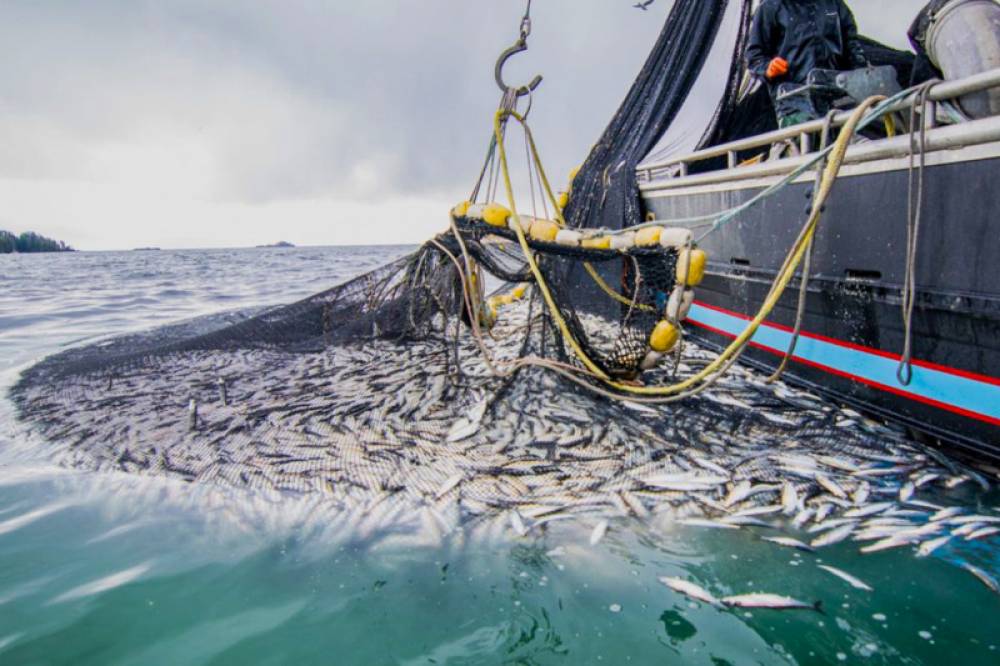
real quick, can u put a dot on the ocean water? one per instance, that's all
(109, 568)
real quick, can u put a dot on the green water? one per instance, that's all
(118, 569)
(143, 571)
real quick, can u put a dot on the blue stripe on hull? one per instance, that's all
(962, 393)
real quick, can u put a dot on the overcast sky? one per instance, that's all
(187, 123)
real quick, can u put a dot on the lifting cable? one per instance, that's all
(914, 210)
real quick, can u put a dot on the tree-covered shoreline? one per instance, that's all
(29, 241)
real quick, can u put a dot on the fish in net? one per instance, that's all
(410, 387)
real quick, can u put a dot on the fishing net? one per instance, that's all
(606, 193)
(466, 377)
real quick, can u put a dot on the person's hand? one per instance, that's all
(777, 67)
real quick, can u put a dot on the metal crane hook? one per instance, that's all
(520, 45)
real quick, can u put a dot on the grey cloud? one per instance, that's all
(302, 99)
(308, 99)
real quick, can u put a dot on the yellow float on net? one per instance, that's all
(496, 215)
(461, 209)
(562, 200)
(623, 241)
(544, 230)
(664, 337)
(648, 236)
(598, 243)
(691, 267)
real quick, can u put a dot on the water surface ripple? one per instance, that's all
(112, 568)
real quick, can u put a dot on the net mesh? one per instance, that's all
(402, 387)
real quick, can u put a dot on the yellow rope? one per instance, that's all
(543, 287)
(791, 264)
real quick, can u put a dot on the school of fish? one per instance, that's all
(386, 431)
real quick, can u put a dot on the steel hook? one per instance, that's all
(519, 46)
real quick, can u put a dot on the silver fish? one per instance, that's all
(789, 498)
(928, 547)
(834, 536)
(642, 409)
(517, 523)
(791, 543)
(772, 601)
(956, 481)
(684, 482)
(822, 512)
(738, 493)
(875, 534)
(978, 478)
(830, 524)
(600, 529)
(925, 505)
(862, 494)
(678, 486)
(884, 471)
(710, 466)
(973, 519)
(803, 517)
(869, 510)
(745, 521)
(986, 579)
(984, 532)
(967, 528)
(449, 485)
(906, 492)
(841, 464)
(702, 522)
(463, 428)
(635, 504)
(689, 590)
(843, 575)
(759, 510)
(895, 541)
(830, 486)
(947, 513)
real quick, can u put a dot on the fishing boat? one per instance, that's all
(892, 233)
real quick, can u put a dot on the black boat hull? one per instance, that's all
(853, 330)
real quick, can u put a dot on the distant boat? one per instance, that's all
(278, 244)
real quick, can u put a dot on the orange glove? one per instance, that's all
(777, 67)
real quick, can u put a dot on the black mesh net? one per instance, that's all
(408, 386)
(606, 193)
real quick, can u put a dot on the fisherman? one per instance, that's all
(790, 38)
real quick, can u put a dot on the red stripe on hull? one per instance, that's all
(995, 381)
(834, 371)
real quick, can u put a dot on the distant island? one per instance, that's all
(278, 244)
(29, 241)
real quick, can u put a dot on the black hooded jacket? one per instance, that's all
(809, 34)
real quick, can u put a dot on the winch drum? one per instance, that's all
(963, 40)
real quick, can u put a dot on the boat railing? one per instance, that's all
(678, 168)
